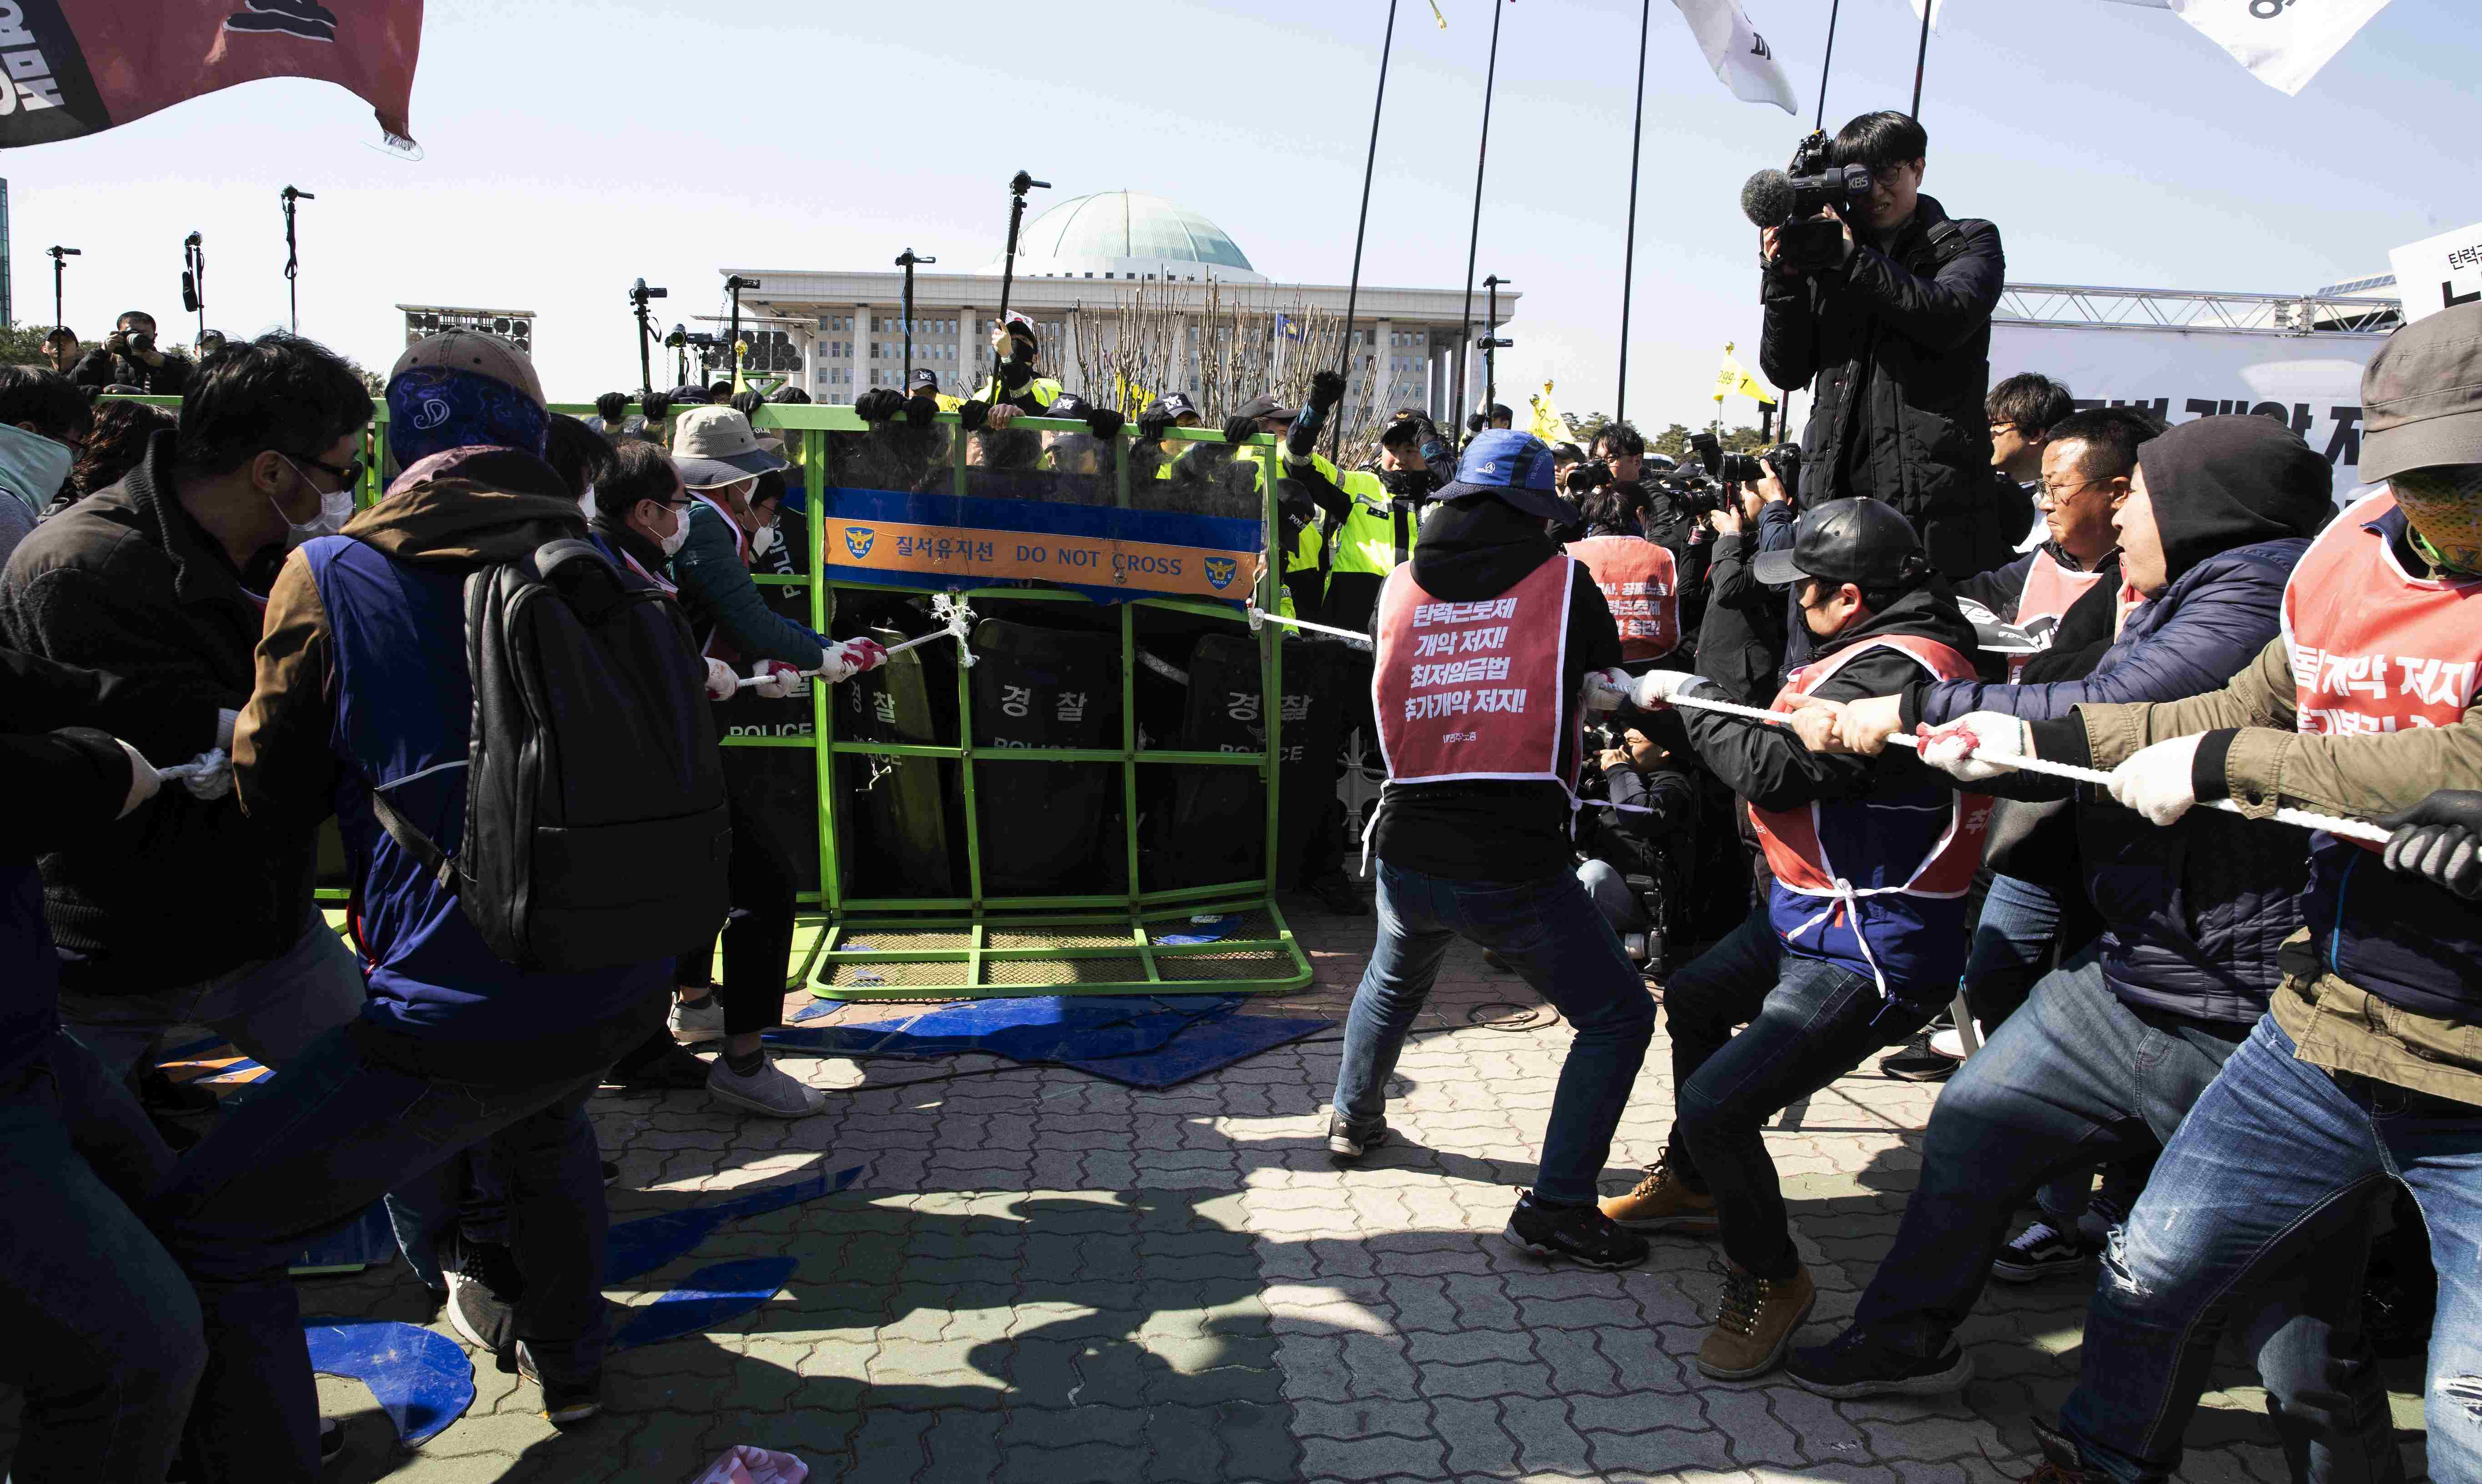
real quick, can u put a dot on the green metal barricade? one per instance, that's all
(868, 943)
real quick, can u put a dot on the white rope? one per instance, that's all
(1353, 637)
(2350, 829)
(956, 616)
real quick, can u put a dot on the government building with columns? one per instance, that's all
(1086, 256)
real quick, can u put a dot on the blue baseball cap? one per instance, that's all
(1513, 468)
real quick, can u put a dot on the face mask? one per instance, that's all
(762, 540)
(33, 466)
(680, 533)
(336, 507)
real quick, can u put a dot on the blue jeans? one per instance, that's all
(270, 1009)
(457, 1202)
(2278, 1158)
(2079, 1078)
(1808, 1022)
(1551, 935)
(327, 1137)
(1612, 897)
(2012, 948)
(101, 1330)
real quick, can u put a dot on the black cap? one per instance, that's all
(1857, 540)
(924, 376)
(1265, 404)
(1172, 407)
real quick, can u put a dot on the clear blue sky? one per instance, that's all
(572, 146)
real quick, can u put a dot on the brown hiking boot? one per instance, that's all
(1754, 1323)
(1661, 1203)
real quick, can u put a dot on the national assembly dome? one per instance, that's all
(1124, 235)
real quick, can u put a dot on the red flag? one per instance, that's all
(120, 60)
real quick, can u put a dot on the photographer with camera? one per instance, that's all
(130, 358)
(1875, 294)
(1641, 853)
(1741, 643)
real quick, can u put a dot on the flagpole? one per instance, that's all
(1369, 165)
(1921, 55)
(1628, 253)
(1473, 243)
(1834, 9)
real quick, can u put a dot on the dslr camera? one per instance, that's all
(1697, 495)
(1591, 474)
(1806, 204)
(1785, 459)
(1732, 468)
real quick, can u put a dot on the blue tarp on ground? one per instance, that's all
(1140, 1040)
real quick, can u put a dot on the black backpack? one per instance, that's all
(595, 830)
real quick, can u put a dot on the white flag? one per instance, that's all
(2283, 42)
(1741, 58)
(1938, 10)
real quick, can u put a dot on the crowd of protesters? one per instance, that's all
(2195, 1052)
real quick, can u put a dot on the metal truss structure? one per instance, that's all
(2075, 307)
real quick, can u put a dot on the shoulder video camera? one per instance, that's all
(1806, 205)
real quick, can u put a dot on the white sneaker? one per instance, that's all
(1951, 1042)
(767, 1090)
(703, 1023)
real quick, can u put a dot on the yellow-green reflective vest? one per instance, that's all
(1377, 534)
(1046, 391)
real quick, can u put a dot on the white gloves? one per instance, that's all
(851, 657)
(207, 776)
(224, 720)
(1976, 747)
(781, 680)
(2158, 781)
(142, 780)
(721, 683)
(1606, 689)
(1655, 690)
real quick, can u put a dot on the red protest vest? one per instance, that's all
(2050, 591)
(1640, 587)
(1472, 690)
(1790, 837)
(2372, 648)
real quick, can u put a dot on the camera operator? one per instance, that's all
(1896, 334)
(130, 358)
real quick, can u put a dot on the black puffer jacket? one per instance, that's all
(1899, 343)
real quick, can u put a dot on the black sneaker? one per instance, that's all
(1854, 1365)
(2041, 1251)
(611, 1174)
(332, 1440)
(484, 1287)
(1344, 1142)
(2061, 1462)
(1337, 893)
(1577, 1233)
(1916, 1062)
(565, 1403)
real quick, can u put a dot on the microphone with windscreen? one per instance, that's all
(1804, 205)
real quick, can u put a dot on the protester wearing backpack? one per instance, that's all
(508, 893)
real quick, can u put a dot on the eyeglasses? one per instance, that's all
(2063, 491)
(346, 478)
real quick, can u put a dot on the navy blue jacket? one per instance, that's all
(68, 783)
(2193, 915)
